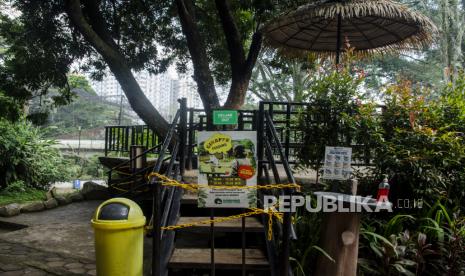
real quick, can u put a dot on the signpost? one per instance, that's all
(225, 117)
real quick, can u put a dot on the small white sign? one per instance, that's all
(338, 163)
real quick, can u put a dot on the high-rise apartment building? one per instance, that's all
(162, 91)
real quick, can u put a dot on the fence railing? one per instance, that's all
(284, 115)
(119, 139)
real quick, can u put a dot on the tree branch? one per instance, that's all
(97, 21)
(254, 50)
(197, 50)
(233, 37)
(118, 65)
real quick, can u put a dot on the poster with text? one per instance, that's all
(227, 158)
(338, 163)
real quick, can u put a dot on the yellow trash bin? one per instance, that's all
(119, 235)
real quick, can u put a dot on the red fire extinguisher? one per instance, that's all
(383, 190)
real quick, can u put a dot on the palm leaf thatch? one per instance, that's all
(369, 26)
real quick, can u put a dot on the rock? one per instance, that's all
(62, 191)
(32, 207)
(63, 200)
(51, 203)
(77, 196)
(49, 194)
(10, 210)
(92, 190)
(54, 192)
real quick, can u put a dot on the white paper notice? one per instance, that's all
(338, 163)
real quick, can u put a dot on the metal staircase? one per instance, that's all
(227, 248)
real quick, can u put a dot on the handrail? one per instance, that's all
(166, 143)
(287, 169)
(270, 136)
(159, 213)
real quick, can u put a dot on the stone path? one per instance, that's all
(55, 242)
(17, 259)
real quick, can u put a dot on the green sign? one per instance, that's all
(224, 117)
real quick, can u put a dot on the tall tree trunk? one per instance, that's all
(197, 50)
(241, 65)
(237, 92)
(99, 38)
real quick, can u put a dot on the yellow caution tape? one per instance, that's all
(271, 212)
(254, 211)
(166, 181)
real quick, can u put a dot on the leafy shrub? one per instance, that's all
(331, 98)
(17, 186)
(26, 156)
(418, 146)
(83, 167)
(430, 243)
(418, 140)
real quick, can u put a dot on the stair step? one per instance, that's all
(224, 259)
(189, 199)
(251, 225)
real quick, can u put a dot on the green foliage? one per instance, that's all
(418, 140)
(18, 192)
(420, 145)
(30, 65)
(248, 16)
(333, 98)
(26, 156)
(10, 109)
(87, 111)
(279, 79)
(85, 168)
(80, 82)
(431, 243)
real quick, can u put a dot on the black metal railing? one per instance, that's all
(119, 139)
(278, 247)
(284, 115)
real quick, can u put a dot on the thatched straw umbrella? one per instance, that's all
(368, 25)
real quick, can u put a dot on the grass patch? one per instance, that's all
(29, 194)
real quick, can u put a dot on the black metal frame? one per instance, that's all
(119, 139)
(163, 241)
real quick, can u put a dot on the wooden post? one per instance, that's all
(340, 237)
(340, 240)
(139, 162)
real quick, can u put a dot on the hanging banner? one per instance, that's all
(227, 158)
(338, 163)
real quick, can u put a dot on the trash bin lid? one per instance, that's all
(118, 213)
(114, 211)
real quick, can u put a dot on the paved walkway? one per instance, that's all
(59, 241)
(17, 259)
(55, 242)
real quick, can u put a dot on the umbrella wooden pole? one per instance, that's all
(338, 38)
